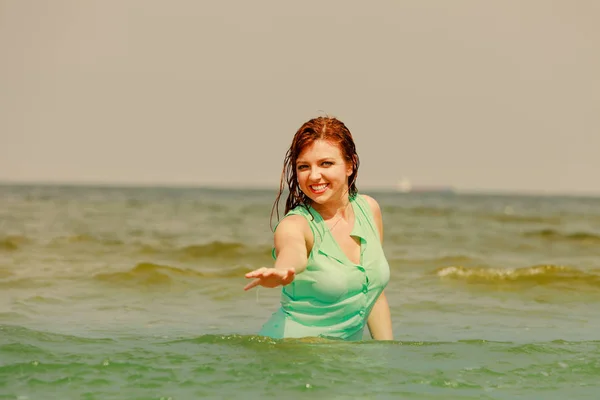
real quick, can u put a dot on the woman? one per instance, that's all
(328, 254)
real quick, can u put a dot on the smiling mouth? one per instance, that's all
(318, 188)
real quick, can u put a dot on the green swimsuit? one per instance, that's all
(333, 296)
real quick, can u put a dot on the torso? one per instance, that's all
(340, 230)
(346, 272)
(350, 245)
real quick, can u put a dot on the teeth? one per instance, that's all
(319, 187)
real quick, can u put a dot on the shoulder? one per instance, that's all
(293, 230)
(293, 222)
(293, 225)
(297, 217)
(376, 211)
(373, 205)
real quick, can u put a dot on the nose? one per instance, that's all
(315, 174)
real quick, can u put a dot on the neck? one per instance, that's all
(338, 209)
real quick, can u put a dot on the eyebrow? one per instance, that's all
(321, 160)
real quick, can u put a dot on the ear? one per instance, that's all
(351, 166)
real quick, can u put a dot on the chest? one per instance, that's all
(349, 245)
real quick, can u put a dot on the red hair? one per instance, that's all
(322, 128)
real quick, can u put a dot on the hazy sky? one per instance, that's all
(500, 95)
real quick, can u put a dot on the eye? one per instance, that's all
(327, 163)
(301, 167)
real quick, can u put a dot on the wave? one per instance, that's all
(524, 219)
(24, 283)
(5, 273)
(249, 340)
(222, 249)
(85, 238)
(151, 274)
(554, 346)
(538, 274)
(16, 242)
(23, 334)
(214, 250)
(450, 259)
(431, 211)
(12, 316)
(554, 235)
(13, 242)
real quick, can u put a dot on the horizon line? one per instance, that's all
(275, 187)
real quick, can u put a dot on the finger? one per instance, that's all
(273, 273)
(261, 275)
(270, 272)
(252, 284)
(255, 273)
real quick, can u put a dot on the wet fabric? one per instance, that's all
(333, 296)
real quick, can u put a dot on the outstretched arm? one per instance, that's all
(291, 251)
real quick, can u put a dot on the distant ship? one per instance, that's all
(406, 186)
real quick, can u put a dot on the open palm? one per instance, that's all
(270, 277)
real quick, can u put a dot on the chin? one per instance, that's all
(321, 198)
(316, 198)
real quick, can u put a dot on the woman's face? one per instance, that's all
(323, 172)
